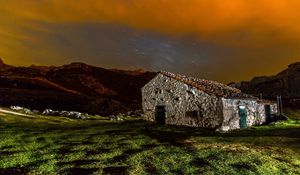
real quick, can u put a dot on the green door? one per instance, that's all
(243, 117)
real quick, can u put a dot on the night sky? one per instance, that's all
(223, 40)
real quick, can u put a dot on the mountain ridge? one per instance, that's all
(76, 86)
(286, 84)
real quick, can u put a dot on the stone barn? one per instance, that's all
(180, 100)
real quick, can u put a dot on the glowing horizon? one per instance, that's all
(217, 39)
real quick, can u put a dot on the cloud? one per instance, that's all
(251, 37)
(253, 20)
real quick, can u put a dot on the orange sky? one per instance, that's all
(255, 31)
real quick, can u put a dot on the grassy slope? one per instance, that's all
(51, 145)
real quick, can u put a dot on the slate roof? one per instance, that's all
(210, 87)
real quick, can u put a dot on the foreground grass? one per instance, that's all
(57, 145)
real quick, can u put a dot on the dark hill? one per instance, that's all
(76, 86)
(285, 83)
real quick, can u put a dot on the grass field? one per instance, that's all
(57, 145)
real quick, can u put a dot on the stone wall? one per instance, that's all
(180, 99)
(231, 113)
(274, 109)
(261, 114)
(255, 113)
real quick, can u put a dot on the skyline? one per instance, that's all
(224, 41)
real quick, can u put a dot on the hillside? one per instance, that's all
(76, 86)
(285, 83)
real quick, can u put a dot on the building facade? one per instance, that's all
(179, 100)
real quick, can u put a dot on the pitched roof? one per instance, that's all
(210, 87)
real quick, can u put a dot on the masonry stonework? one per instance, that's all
(180, 99)
(187, 105)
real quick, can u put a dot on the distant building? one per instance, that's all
(179, 100)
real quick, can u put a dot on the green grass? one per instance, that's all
(58, 145)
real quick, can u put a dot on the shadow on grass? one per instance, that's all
(98, 151)
(16, 170)
(150, 168)
(78, 162)
(244, 166)
(81, 171)
(67, 148)
(177, 135)
(200, 162)
(272, 132)
(23, 169)
(174, 135)
(85, 132)
(7, 153)
(126, 154)
(116, 170)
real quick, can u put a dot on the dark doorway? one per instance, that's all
(268, 113)
(160, 114)
(243, 116)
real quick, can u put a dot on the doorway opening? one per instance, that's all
(160, 115)
(268, 113)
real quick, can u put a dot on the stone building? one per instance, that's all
(179, 100)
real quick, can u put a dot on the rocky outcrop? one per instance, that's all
(69, 114)
(285, 83)
(50, 112)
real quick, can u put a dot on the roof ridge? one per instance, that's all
(209, 86)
